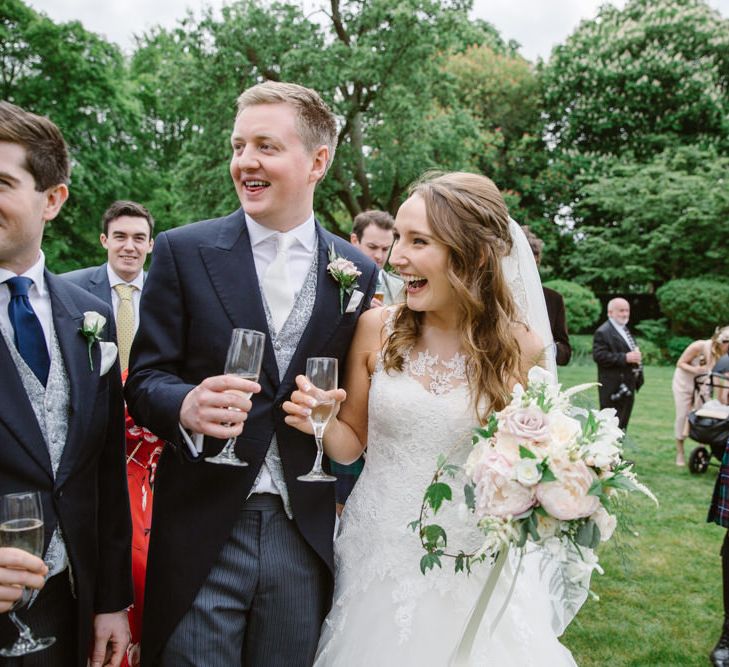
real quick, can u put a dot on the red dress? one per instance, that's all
(143, 451)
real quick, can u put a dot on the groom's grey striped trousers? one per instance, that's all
(263, 602)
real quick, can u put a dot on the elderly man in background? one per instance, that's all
(619, 362)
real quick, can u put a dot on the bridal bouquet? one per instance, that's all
(542, 470)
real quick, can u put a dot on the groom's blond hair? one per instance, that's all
(315, 121)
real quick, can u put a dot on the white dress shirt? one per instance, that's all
(38, 295)
(138, 282)
(301, 251)
(620, 328)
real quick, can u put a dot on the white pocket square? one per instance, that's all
(108, 355)
(354, 301)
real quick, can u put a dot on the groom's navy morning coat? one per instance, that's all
(89, 495)
(201, 285)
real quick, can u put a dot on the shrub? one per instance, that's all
(582, 306)
(676, 345)
(695, 306)
(656, 331)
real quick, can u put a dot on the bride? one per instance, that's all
(418, 378)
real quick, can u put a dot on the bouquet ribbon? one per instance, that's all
(461, 656)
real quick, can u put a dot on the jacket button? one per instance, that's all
(58, 494)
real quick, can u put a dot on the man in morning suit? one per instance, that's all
(618, 359)
(240, 566)
(126, 235)
(61, 421)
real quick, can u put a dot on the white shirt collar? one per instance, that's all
(114, 278)
(35, 273)
(305, 233)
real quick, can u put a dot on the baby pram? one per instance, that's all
(709, 420)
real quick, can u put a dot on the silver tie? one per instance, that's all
(277, 284)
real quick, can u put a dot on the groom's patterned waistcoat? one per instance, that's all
(285, 343)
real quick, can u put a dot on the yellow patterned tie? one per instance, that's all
(124, 322)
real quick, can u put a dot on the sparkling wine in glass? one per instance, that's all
(245, 355)
(322, 375)
(21, 527)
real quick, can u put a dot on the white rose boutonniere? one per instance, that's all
(91, 329)
(345, 273)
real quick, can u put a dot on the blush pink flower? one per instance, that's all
(528, 423)
(497, 493)
(566, 498)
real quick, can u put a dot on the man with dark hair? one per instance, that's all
(61, 417)
(555, 306)
(126, 235)
(372, 234)
(241, 558)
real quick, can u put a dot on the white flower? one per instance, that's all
(567, 497)
(93, 322)
(563, 430)
(605, 523)
(538, 375)
(529, 423)
(527, 472)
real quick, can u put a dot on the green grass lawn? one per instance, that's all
(660, 596)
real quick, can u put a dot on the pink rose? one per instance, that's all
(566, 498)
(525, 423)
(497, 494)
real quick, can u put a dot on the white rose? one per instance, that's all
(563, 430)
(528, 423)
(605, 522)
(601, 454)
(93, 321)
(527, 472)
(547, 527)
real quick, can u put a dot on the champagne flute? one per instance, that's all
(245, 355)
(21, 527)
(322, 375)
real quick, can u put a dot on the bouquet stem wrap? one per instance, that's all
(462, 654)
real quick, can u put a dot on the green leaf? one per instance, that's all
(469, 492)
(429, 561)
(436, 493)
(541, 511)
(532, 523)
(435, 536)
(596, 488)
(588, 535)
(460, 562)
(523, 534)
(441, 460)
(547, 474)
(525, 453)
(414, 525)
(451, 469)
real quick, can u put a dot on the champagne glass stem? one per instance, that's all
(26, 636)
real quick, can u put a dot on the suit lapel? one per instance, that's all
(84, 383)
(232, 271)
(100, 286)
(17, 413)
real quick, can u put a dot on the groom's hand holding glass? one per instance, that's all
(18, 569)
(218, 406)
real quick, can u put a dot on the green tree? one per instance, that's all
(648, 223)
(621, 99)
(79, 81)
(378, 64)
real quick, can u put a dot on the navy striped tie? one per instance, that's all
(29, 338)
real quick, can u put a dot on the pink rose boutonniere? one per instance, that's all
(345, 273)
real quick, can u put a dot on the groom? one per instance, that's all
(240, 564)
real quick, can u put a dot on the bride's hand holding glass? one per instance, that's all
(305, 399)
(18, 570)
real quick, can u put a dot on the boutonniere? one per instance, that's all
(344, 272)
(91, 330)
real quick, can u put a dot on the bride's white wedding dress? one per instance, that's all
(385, 612)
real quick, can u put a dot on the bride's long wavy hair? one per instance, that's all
(468, 215)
